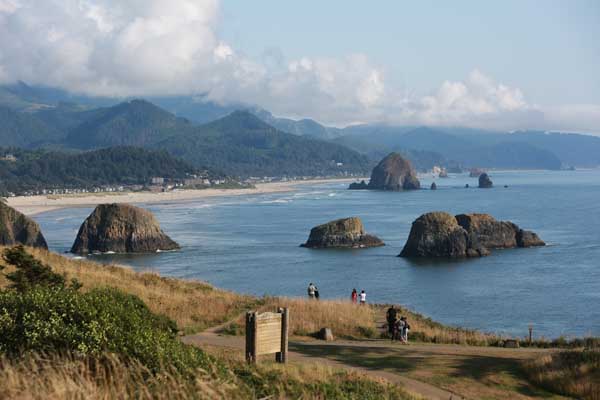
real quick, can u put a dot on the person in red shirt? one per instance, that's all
(354, 296)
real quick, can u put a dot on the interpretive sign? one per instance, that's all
(267, 333)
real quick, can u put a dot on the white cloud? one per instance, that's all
(162, 47)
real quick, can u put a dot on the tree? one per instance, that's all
(30, 272)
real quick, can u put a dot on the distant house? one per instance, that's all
(157, 180)
(9, 157)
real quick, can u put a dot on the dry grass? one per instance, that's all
(307, 317)
(574, 373)
(110, 377)
(70, 377)
(344, 318)
(424, 329)
(193, 305)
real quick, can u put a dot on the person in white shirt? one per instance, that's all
(311, 290)
(363, 297)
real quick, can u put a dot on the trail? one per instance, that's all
(392, 361)
(210, 337)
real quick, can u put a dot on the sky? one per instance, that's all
(498, 65)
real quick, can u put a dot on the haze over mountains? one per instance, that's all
(242, 140)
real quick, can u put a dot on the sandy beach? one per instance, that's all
(31, 205)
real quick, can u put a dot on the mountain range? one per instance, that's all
(244, 140)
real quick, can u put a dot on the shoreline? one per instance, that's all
(32, 205)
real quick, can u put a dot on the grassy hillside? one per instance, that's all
(119, 323)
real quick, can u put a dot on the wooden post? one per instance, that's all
(251, 337)
(530, 333)
(282, 355)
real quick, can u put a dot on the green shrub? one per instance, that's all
(29, 271)
(59, 319)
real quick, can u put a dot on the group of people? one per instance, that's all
(355, 296)
(397, 328)
(313, 294)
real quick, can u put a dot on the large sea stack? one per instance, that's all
(393, 173)
(16, 228)
(121, 228)
(341, 233)
(439, 234)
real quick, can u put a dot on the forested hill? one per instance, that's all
(35, 170)
(134, 123)
(243, 145)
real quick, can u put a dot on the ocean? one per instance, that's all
(250, 244)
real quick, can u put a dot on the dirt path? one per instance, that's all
(211, 338)
(433, 371)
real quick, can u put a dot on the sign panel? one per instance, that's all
(267, 333)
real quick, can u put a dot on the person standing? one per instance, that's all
(399, 330)
(354, 296)
(405, 329)
(390, 317)
(311, 291)
(316, 293)
(363, 297)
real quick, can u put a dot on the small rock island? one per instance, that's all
(393, 173)
(341, 233)
(484, 181)
(16, 228)
(442, 235)
(121, 228)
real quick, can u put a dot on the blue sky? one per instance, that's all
(549, 49)
(499, 65)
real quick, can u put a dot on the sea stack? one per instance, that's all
(484, 181)
(439, 234)
(16, 228)
(393, 173)
(121, 228)
(341, 233)
(433, 186)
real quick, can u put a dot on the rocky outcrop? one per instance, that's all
(443, 174)
(345, 232)
(16, 228)
(528, 239)
(358, 185)
(121, 228)
(484, 181)
(439, 234)
(433, 186)
(491, 233)
(392, 173)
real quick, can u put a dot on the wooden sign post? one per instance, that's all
(267, 333)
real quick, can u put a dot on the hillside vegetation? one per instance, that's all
(242, 144)
(41, 169)
(65, 340)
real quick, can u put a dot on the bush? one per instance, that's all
(30, 272)
(103, 320)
